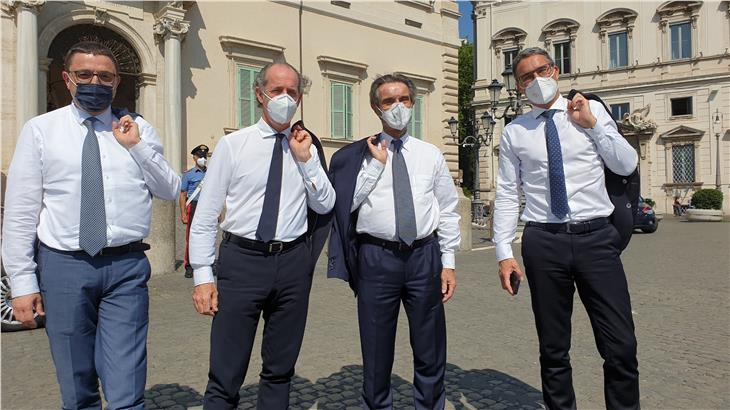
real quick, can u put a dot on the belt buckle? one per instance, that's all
(578, 227)
(402, 247)
(276, 247)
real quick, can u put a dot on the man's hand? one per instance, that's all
(126, 131)
(300, 141)
(448, 284)
(506, 267)
(205, 299)
(579, 111)
(184, 217)
(25, 306)
(380, 154)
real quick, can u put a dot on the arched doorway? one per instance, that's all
(129, 65)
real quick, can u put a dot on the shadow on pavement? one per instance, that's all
(465, 389)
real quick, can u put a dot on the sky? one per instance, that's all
(465, 24)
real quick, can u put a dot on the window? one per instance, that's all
(618, 111)
(249, 111)
(681, 38)
(618, 50)
(416, 125)
(562, 57)
(341, 110)
(681, 106)
(509, 57)
(683, 163)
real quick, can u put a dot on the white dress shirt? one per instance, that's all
(237, 176)
(523, 165)
(434, 196)
(43, 194)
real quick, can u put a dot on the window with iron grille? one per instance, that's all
(683, 163)
(249, 111)
(681, 106)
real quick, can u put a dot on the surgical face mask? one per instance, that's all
(281, 108)
(542, 90)
(201, 162)
(397, 116)
(94, 97)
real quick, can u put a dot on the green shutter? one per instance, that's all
(416, 125)
(248, 109)
(341, 110)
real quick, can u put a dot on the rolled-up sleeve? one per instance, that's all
(23, 202)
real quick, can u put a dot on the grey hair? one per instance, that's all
(260, 80)
(390, 78)
(529, 52)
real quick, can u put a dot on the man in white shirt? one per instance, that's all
(267, 176)
(555, 155)
(396, 231)
(81, 184)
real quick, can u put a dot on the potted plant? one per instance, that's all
(706, 206)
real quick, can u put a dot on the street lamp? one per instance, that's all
(481, 131)
(717, 125)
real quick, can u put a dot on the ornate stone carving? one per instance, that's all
(8, 6)
(168, 26)
(638, 120)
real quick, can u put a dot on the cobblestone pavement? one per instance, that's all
(680, 285)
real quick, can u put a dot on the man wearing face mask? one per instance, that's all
(81, 184)
(267, 175)
(395, 234)
(555, 154)
(189, 193)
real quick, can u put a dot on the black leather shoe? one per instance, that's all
(188, 271)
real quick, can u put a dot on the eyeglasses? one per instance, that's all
(542, 71)
(86, 76)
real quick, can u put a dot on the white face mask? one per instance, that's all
(397, 117)
(542, 90)
(201, 162)
(281, 108)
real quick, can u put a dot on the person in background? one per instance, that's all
(189, 194)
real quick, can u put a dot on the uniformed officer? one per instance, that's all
(189, 194)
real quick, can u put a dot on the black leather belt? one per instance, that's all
(572, 227)
(394, 245)
(266, 247)
(136, 246)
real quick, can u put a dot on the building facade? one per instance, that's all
(663, 69)
(188, 68)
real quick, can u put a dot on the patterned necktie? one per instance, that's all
(270, 213)
(405, 215)
(92, 220)
(556, 174)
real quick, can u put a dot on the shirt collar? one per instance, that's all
(80, 115)
(388, 138)
(561, 104)
(267, 131)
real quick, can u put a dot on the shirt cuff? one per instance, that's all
(448, 260)
(21, 285)
(203, 275)
(504, 251)
(141, 151)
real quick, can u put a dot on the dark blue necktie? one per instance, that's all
(270, 213)
(405, 215)
(92, 219)
(556, 174)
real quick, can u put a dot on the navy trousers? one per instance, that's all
(387, 278)
(251, 283)
(96, 321)
(556, 263)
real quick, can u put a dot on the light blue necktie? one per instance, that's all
(556, 174)
(405, 215)
(92, 221)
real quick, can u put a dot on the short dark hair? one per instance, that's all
(390, 78)
(261, 76)
(529, 52)
(89, 47)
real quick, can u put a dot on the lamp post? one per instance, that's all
(717, 123)
(481, 130)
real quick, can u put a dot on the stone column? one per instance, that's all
(27, 58)
(44, 66)
(171, 28)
